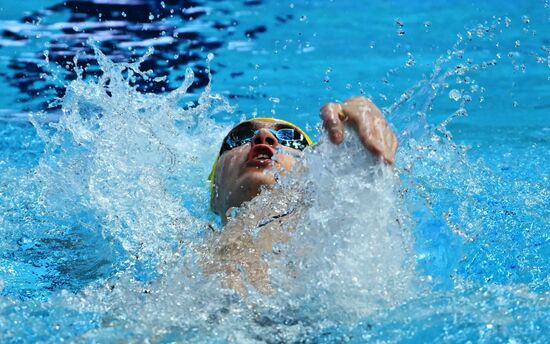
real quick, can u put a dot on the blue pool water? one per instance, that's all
(103, 198)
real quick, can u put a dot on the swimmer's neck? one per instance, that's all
(269, 204)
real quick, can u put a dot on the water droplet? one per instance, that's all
(162, 4)
(525, 19)
(460, 69)
(274, 100)
(455, 95)
(399, 25)
(123, 14)
(151, 16)
(517, 43)
(303, 18)
(410, 60)
(291, 5)
(210, 56)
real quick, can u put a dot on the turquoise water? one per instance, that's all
(103, 198)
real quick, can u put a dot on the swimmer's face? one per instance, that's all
(242, 170)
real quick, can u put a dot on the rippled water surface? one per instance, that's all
(112, 113)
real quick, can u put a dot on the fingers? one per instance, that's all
(333, 117)
(391, 142)
(372, 127)
(366, 127)
(367, 120)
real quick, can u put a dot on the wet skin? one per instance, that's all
(239, 175)
(242, 171)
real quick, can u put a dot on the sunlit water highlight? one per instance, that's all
(114, 209)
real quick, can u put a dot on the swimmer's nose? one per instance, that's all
(265, 137)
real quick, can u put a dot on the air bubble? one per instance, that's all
(410, 60)
(461, 112)
(455, 95)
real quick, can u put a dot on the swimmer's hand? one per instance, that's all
(366, 119)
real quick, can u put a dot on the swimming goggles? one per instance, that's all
(288, 137)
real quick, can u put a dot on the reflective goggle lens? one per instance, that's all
(286, 136)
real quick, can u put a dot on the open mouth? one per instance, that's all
(260, 155)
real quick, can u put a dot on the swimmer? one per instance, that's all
(262, 145)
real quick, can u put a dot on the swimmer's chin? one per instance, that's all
(254, 178)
